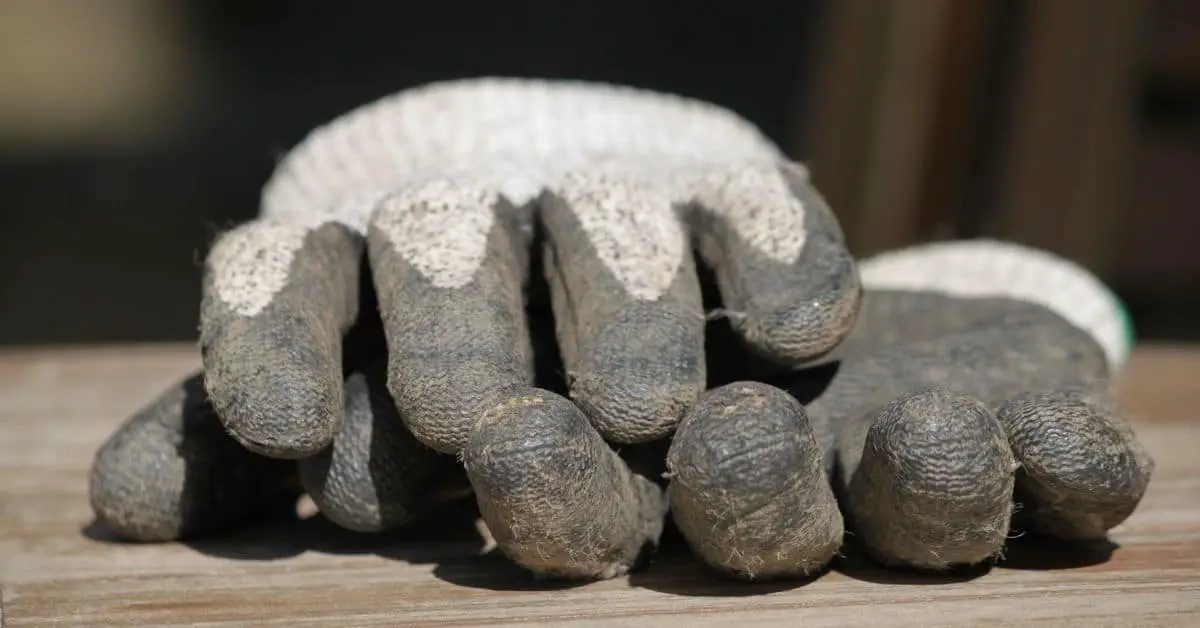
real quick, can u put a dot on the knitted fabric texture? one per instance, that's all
(441, 154)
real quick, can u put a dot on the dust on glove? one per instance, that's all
(445, 189)
(972, 398)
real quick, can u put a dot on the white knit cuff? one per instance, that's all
(514, 135)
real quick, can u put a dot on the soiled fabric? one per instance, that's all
(445, 191)
(377, 338)
(956, 412)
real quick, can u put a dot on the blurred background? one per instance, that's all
(132, 131)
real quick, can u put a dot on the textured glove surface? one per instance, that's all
(975, 378)
(446, 188)
(442, 181)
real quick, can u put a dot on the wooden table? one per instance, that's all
(56, 406)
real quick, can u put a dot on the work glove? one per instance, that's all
(451, 189)
(973, 386)
(971, 403)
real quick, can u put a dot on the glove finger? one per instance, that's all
(376, 476)
(556, 498)
(277, 300)
(627, 305)
(787, 281)
(1083, 471)
(172, 472)
(449, 261)
(929, 481)
(747, 486)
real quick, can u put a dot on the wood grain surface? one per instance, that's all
(56, 406)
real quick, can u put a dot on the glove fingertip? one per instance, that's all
(786, 278)
(277, 301)
(172, 472)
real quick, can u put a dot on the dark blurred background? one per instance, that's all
(131, 131)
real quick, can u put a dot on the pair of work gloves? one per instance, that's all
(489, 287)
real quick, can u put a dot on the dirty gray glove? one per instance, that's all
(446, 188)
(971, 398)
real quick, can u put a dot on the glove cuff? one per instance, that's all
(514, 135)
